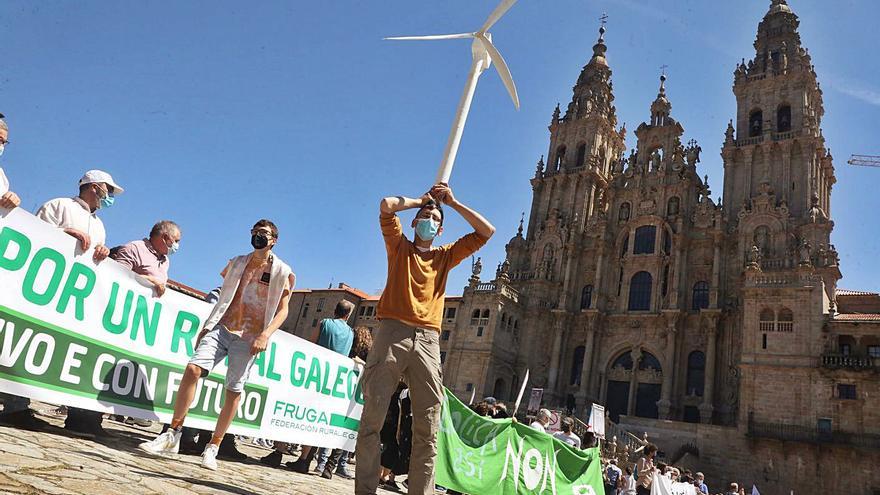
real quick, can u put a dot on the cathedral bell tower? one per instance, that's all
(584, 143)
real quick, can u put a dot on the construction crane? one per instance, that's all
(864, 160)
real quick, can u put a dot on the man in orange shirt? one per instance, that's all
(407, 342)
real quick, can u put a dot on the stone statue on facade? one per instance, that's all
(805, 251)
(693, 153)
(754, 258)
(656, 160)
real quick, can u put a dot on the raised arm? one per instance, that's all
(480, 225)
(393, 204)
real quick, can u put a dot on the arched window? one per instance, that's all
(577, 365)
(560, 158)
(587, 297)
(548, 252)
(696, 373)
(672, 206)
(624, 361)
(766, 320)
(640, 292)
(475, 317)
(762, 238)
(624, 250)
(623, 214)
(756, 123)
(581, 156)
(783, 119)
(649, 361)
(700, 298)
(646, 237)
(785, 320)
(667, 242)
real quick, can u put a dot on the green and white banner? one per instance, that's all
(94, 336)
(479, 455)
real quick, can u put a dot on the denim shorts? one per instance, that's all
(218, 344)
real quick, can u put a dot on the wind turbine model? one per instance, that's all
(484, 53)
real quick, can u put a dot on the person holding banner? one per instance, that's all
(16, 409)
(8, 199)
(78, 218)
(149, 258)
(253, 305)
(407, 342)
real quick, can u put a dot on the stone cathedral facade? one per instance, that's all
(632, 287)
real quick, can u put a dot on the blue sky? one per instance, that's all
(215, 114)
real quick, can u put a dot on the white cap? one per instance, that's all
(96, 176)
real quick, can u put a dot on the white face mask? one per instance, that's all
(2, 147)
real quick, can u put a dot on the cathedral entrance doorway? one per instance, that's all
(618, 399)
(498, 391)
(634, 388)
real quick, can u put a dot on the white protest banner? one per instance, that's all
(597, 420)
(94, 336)
(535, 399)
(665, 486)
(555, 423)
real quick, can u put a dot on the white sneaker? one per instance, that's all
(209, 457)
(166, 443)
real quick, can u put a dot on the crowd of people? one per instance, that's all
(401, 383)
(638, 478)
(251, 305)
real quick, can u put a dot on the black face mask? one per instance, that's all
(259, 241)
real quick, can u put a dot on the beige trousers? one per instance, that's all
(400, 350)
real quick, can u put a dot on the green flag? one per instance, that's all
(479, 455)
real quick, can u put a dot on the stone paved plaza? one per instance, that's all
(56, 463)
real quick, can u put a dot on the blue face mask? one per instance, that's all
(107, 201)
(426, 229)
(173, 248)
(2, 149)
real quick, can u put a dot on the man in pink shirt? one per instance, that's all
(149, 257)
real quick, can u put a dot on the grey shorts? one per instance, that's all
(218, 344)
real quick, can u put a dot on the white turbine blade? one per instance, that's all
(501, 67)
(433, 37)
(496, 14)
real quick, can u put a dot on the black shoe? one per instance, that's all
(327, 474)
(24, 420)
(389, 485)
(273, 459)
(230, 453)
(298, 467)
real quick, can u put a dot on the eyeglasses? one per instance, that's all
(267, 233)
(4, 142)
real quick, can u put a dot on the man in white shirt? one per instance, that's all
(541, 421)
(8, 199)
(16, 410)
(77, 216)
